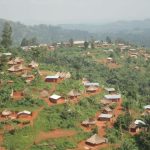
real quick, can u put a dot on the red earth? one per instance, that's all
(54, 134)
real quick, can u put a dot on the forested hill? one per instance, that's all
(43, 33)
(137, 32)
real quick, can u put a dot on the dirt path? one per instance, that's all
(102, 130)
(1, 142)
(43, 136)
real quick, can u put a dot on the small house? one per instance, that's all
(33, 65)
(113, 98)
(107, 110)
(89, 84)
(54, 98)
(92, 89)
(136, 126)
(54, 78)
(147, 108)
(73, 94)
(24, 114)
(110, 90)
(105, 117)
(6, 113)
(89, 122)
(109, 60)
(105, 102)
(96, 140)
(16, 68)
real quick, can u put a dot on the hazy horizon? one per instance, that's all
(74, 11)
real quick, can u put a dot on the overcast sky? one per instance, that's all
(73, 11)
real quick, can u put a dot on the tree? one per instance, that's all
(108, 40)
(6, 35)
(92, 43)
(71, 42)
(86, 44)
(24, 42)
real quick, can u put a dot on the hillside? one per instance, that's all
(137, 32)
(44, 33)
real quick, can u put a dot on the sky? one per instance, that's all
(73, 11)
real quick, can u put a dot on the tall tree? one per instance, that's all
(108, 39)
(71, 42)
(24, 42)
(86, 44)
(6, 35)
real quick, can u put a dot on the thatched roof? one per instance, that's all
(73, 93)
(15, 61)
(105, 102)
(89, 121)
(107, 109)
(33, 64)
(6, 112)
(96, 139)
(63, 75)
(91, 88)
(16, 68)
(44, 93)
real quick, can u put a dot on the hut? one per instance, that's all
(54, 98)
(89, 122)
(92, 89)
(33, 65)
(113, 98)
(73, 94)
(96, 140)
(105, 117)
(15, 61)
(105, 102)
(107, 110)
(16, 68)
(54, 78)
(44, 93)
(23, 114)
(6, 113)
(109, 60)
(88, 84)
(147, 108)
(136, 126)
(110, 90)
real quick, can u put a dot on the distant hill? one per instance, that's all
(137, 32)
(134, 31)
(44, 33)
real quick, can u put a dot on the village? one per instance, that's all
(36, 88)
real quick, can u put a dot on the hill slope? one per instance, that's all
(44, 33)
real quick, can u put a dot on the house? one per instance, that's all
(23, 114)
(63, 75)
(54, 78)
(33, 65)
(105, 102)
(110, 90)
(113, 98)
(137, 126)
(54, 98)
(15, 61)
(109, 60)
(147, 108)
(85, 80)
(73, 94)
(105, 117)
(28, 77)
(88, 84)
(107, 110)
(16, 68)
(96, 140)
(6, 113)
(44, 93)
(89, 122)
(92, 89)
